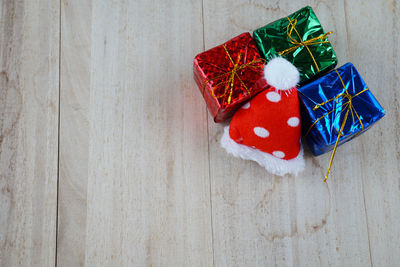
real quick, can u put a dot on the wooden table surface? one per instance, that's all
(108, 156)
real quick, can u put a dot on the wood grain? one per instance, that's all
(75, 65)
(29, 79)
(263, 220)
(138, 191)
(379, 149)
(101, 93)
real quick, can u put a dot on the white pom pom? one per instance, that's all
(281, 74)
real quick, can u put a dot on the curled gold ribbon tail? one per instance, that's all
(347, 107)
(336, 145)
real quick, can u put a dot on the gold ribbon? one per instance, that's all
(348, 107)
(296, 44)
(232, 74)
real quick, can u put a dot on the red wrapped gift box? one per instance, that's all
(229, 75)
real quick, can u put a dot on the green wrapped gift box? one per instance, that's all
(300, 39)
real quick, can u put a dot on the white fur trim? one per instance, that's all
(269, 162)
(281, 74)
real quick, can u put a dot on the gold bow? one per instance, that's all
(232, 74)
(348, 107)
(296, 44)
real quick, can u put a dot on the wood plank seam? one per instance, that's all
(208, 150)
(58, 136)
(346, 24)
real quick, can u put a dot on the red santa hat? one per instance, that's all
(267, 128)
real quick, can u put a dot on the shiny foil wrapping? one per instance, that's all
(322, 135)
(312, 59)
(229, 75)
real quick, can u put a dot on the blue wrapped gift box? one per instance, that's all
(337, 104)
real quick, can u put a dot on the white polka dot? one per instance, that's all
(273, 96)
(246, 106)
(293, 121)
(261, 132)
(278, 154)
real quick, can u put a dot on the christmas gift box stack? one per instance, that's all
(280, 85)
